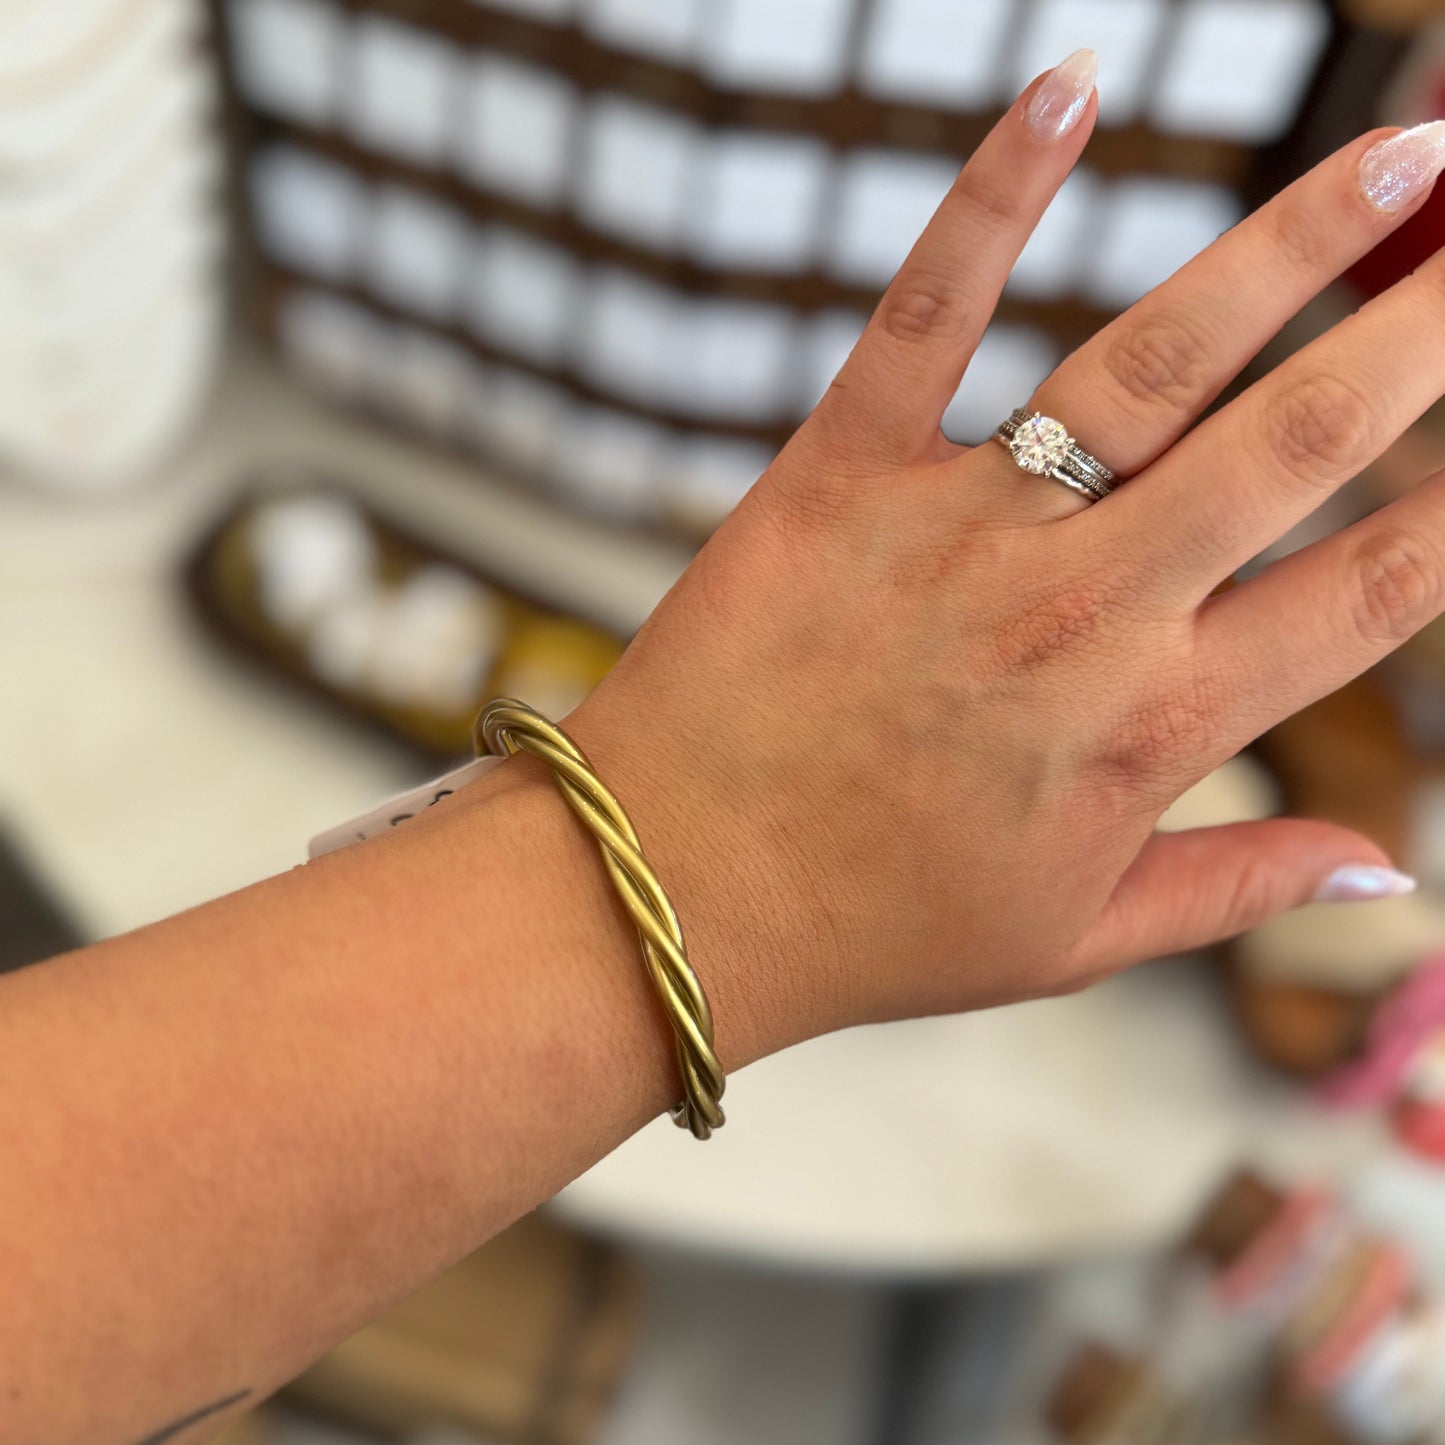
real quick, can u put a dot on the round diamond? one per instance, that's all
(1040, 444)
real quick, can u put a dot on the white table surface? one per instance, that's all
(145, 771)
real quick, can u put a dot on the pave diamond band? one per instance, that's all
(1043, 447)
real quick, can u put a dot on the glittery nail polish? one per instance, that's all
(1358, 881)
(1062, 97)
(1397, 170)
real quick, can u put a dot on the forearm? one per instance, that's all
(234, 1136)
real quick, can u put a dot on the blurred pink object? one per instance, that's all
(1400, 1031)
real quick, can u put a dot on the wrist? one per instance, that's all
(572, 931)
(711, 870)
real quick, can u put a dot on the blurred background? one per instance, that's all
(365, 358)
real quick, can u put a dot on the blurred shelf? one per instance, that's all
(142, 768)
(846, 116)
(810, 291)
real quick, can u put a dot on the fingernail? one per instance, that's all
(1357, 881)
(1063, 94)
(1397, 170)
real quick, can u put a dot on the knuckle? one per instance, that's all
(1305, 240)
(922, 307)
(991, 201)
(1163, 359)
(940, 562)
(1162, 738)
(1251, 896)
(1058, 620)
(1398, 587)
(1321, 429)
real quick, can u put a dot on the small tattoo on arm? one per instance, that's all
(171, 1431)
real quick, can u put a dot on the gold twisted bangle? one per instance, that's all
(505, 727)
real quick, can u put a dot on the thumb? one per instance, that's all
(1189, 889)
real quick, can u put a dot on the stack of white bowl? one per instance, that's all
(110, 235)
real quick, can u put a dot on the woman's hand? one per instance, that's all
(897, 743)
(899, 737)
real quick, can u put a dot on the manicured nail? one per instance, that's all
(1062, 97)
(1397, 170)
(1357, 881)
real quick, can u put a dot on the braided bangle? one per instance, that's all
(506, 727)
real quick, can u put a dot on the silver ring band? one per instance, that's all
(1043, 447)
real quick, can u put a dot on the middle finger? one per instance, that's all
(1266, 461)
(1133, 390)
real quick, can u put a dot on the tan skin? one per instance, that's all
(896, 741)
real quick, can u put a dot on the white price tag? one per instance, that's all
(399, 809)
